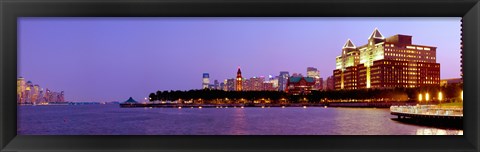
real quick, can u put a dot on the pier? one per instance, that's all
(431, 115)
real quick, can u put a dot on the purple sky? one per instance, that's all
(111, 59)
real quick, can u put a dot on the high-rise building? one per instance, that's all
(282, 80)
(205, 80)
(274, 82)
(28, 93)
(20, 90)
(315, 74)
(386, 63)
(230, 85)
(222, 86)
(256, 83)
(330, 84)
(216, 85)
(239, 80)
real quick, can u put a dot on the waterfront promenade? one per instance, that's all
(329, 104)
(429, 115)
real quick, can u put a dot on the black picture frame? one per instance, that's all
(10, 10)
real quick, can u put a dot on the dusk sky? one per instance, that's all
(111, 59)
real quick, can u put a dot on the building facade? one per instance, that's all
(239, 80)
(330, 83)
(205, 80)
(386, 63)
(282, 80)
(315, 74)
(230, 85)
(300, 85)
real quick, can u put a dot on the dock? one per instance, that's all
(429, 115)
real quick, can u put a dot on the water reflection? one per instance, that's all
(239, 122)
(435, 131)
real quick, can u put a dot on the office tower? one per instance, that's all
(216, 85)
(315, 74)
(230, 84)
(205, 80)
(386, 63)
(282, 80)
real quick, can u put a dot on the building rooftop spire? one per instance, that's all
(376, 34)
(349, 44)
(239, 71)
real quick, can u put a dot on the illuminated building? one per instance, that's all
(299, 85)
(36, 93)
(21, 90)
(282, 80)
(330, 83)
(315, 74)
(230, 85)
(216, 85)
(346, 66)
(274, 82)
(268, 86)
(386, 63)
(205, 80)
(452, 81)
(239, 82)
(256, 83)
(319, 84)
(28, 93)
(221, 86)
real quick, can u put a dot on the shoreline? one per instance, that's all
(352, 105)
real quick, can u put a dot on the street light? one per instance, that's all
(461, 95)
(420, 97)
(427, 97)
(440, 96)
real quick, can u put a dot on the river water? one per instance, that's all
(110, 119)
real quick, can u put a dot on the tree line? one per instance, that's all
(450, 93)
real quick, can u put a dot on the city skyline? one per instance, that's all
(111, 59)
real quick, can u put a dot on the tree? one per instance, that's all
(152, 97)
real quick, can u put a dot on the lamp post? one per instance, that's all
(427, 97)
(420, 98)
(440, 97)
(461, 95)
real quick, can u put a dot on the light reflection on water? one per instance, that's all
(113, 120)
(435, 131)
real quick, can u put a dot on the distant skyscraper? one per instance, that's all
(205, 81)
(239, 82)
(216, 85)
(21, 90)
(256, 83)
(222, 86)
(29, 93)
(282, 80)
(230, 84)
(315, 74)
